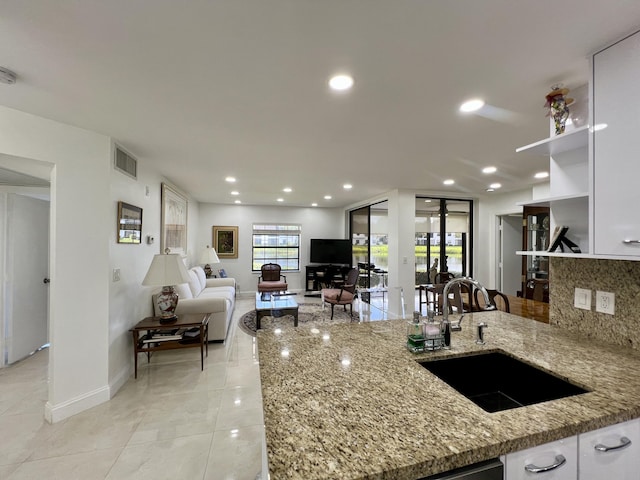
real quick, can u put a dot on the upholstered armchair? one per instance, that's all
(342, 296)
(271, 280)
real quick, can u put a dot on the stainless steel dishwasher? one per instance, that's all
(487, 470)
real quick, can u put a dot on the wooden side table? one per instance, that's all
(149, 335)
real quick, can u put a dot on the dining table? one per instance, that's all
(527, 308)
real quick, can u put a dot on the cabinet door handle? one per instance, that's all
(624, 443)
(560, 460)
(628, 242)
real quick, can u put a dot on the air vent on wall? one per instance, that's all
(125, 163)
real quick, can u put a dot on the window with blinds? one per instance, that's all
(276, 243)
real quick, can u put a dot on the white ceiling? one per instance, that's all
(205, 89)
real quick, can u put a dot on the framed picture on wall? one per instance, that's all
(129, 224)
(173, 221)
(225, 241)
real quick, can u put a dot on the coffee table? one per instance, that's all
(276, 306)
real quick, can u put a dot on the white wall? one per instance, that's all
(129, 301)
(79, 261)
(489, 207)
(401, 266)
(316, 223)
(85, 302)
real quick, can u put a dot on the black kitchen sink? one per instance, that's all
(496, 381)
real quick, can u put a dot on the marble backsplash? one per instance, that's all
(621, 277)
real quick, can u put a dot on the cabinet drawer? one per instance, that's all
(518, 465)
(611, 452)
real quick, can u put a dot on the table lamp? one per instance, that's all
(207, 257)
(166, 270)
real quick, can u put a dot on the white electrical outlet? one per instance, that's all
(582, 299)
(605, 302)
(116, 274)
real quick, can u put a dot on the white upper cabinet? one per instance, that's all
(616, 148)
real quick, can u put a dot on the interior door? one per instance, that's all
(510, 264)
(27, 267)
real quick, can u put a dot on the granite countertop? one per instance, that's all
(351, 402)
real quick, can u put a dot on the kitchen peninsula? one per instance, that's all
(350, 402)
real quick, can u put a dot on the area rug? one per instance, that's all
(308, 314)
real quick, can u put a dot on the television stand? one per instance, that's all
(321, 276)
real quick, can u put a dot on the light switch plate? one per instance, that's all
(605, 302)
(582, 299)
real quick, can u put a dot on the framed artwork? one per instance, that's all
(173, 221)
(129, 224)
(225, 241)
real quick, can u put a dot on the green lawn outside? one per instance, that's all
(382, 251)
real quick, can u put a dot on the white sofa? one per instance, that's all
(216, 296)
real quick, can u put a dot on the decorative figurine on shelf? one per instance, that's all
(558, 105)
(433, 271)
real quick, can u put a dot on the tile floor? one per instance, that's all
(173, 422)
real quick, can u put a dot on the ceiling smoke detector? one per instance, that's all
(7, 76)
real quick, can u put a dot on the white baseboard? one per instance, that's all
(116, 384)
(57, 413)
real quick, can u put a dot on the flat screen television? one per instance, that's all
(333, 251)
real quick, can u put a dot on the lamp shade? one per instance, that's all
(166, 269)
(209, 255)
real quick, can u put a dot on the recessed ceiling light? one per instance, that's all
(347, 186)
(280, 199)
(495, 185)
(327, 197)
(314, 204)
(287, 189)
(230, 179)
(449, 182)
(341, 83)
(472, 105)
(489, 170)
(490, 190)
(541, 175)
(235, 192)
(238, 201)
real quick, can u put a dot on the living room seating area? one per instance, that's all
(216, 296)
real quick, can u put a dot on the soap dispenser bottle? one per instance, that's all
(432, 332)
(415, 334)
(445, 326)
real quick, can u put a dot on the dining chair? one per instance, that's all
(497, 299)
(537, 289)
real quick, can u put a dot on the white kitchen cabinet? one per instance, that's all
(611, 452)
(555, 461)
(616, 105)
(607, 453)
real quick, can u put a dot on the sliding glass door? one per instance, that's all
(370, 243)
(443, 237)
